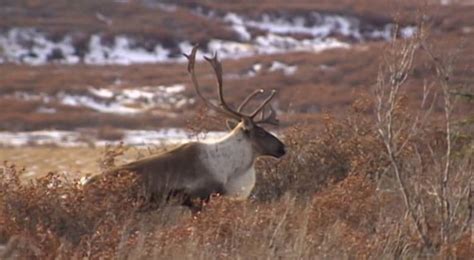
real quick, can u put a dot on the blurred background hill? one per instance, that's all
(89, 65)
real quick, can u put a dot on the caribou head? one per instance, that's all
(263, 142)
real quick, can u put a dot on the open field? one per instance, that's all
(74, 162)
(375, 102)
(39, 160)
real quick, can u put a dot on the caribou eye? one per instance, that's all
(261, 132)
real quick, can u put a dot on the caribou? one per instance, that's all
(198, 169)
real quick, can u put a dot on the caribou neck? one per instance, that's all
(230, 156)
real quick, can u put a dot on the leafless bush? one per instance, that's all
(436, 194)
(317, 158)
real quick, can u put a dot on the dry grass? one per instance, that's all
(38, 161)
(331, 197)
(73, 162)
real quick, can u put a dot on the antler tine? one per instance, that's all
(191, 62)
(248, 98)
(223, 107)
(216, 65)
(270, 119)
(265, 102)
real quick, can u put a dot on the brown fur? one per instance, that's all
(199, 169)
(178, 170)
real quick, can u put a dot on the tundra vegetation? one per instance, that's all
(392, 178)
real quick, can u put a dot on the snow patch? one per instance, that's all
(89, 102)
(408, 32)
(267, 34)
(77, 139)
(252, 72)
(272, 44)
(128, 101)
(323, 26)
(113, 101)
(101, 92)
(40, 48)
(64, 138)
(46, 110)
(237, 24)
(285, 68)
(123, 52)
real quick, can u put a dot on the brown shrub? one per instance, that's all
(323, 200)
(53, 212)
(317, 158)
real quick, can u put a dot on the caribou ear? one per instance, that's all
(248, 124)
(231, 124)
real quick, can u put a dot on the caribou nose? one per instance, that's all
(281, 151)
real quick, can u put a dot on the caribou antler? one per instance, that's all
(248, 98)
(223, 107)
(264, 103)
(270, 119)
(216, 65)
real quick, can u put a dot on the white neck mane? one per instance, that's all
(230, 156)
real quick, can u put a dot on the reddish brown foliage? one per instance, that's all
(325, 194)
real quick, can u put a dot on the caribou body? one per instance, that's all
(224, 166)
